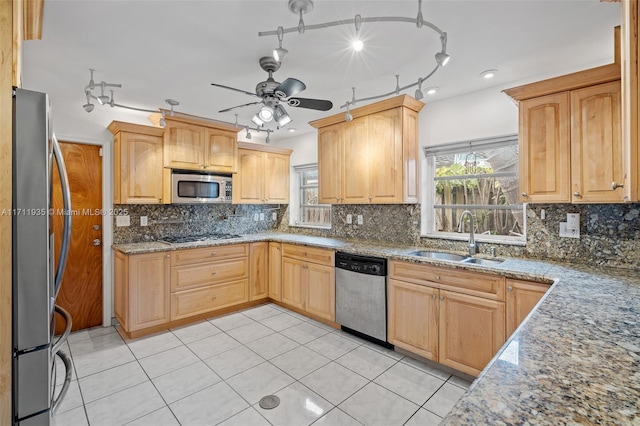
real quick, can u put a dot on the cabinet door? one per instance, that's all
(320, 291)
(259, 270)
(140, 169)
(248, 183)
(596, 144)
(293, 276)
(330, 154)
(544, 138)
(148, 290)
(413, 318)
(221, 149)
(184, 147)
(472, 329)
(275, 271)
(522, 296)
(385, 157)
(121, 288)
(276, 178)
(355, 168)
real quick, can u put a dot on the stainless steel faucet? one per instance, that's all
(473, 246)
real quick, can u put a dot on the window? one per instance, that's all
(480, 176)
(311, 213)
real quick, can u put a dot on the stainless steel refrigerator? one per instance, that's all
(36, 277)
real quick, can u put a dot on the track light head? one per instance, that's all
(442, 58)
(280, 53)
(248, 135)
(268, 139)
(419, 95)
(88, 107)
(103, 99)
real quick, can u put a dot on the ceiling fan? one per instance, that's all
(273, 94)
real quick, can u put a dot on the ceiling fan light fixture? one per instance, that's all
(442, 58)
(257, 120)
(281, 116)
(266, 113)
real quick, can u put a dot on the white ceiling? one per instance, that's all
(175, 49)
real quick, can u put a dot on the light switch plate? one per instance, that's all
(124, 220)
(568, 233)
(360, 219)
(144, 221)
(349, 219)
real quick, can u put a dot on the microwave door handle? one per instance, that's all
(66, 204)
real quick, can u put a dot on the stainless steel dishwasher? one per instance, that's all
(361, 296)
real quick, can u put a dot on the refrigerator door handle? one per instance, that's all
(66, 202)
(63, 337)
(55, 402)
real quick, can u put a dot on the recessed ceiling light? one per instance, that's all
(488, 74)
(432, 90)
(291, 130)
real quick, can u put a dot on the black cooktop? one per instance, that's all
(176, 239)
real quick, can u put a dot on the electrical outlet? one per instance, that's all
(274, 216)
(256, 217)
(349, 219)
(144, 221)
(261, 216)
(360, 219)
(568, 233)
(123, 220)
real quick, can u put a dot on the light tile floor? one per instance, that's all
(215, 372)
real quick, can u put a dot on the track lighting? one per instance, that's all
(348, 115)
(280, 52)
(419, 95)
(268, 139)
(103, 99)
(163, 122)
(248, 135)
(88, 106)
(358, 45)
(442, 58)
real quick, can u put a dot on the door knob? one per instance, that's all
(97, 242)
(576, 194)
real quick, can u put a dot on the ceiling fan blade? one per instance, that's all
(289, 87)
(240, 106)
(319, 104)
(235, 90)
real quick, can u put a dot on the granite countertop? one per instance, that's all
(574, 360)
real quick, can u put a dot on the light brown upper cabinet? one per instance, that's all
(138, 174)
(570, 136)
(373, 158)
(263, 175)
(205, 145)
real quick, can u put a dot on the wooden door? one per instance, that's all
(148, 290)
(330, 156)
(472, 329)
(81, 290)
(320, 292)
(248, 183)
(293, 277)
(276, 178)
(544, 139)
(522, 296)
(385, 156)
(355, 168)
(258, 270)
(140, 169)
(221, 150)
(183, 146)
(596, 144)
(275, 271)
(413, 318)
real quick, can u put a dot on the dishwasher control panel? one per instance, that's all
(361, 264)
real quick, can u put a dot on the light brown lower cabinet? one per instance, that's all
(275, 271)
(141, 289)
(522, 296)
(308, 280)
(259, 270)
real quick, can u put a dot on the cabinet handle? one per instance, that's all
(577, 194)
(213, 253)
(524, 195)
(433, 296)
(509, 288)
(213, 297)
(615, 186)
(159, 200)
(437, 277)
(369, 199)
(213, 273)
(168, 256)
(441, 298)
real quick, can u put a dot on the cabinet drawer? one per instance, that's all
(189, 276)
(196, 301)
(309, 254)
(185, 257)
(473, 283)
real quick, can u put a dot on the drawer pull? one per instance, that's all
(441, 298)
(213, 297)
(615, 185)
(509, 288)
(213, 273)
(437, 277)
(433, 296)
(213, 253)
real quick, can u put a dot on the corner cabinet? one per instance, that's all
(263, 175)
(138, 173)
(570, 136)
(200, 144)
(372, 159)
(522, 297)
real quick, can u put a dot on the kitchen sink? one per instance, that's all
(439, 255)
(483, 262)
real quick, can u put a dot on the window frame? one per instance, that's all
(428, 228)
(300, 207)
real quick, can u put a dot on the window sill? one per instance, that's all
(454, 236)
(298, 225)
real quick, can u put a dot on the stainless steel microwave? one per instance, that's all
(193, 188)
